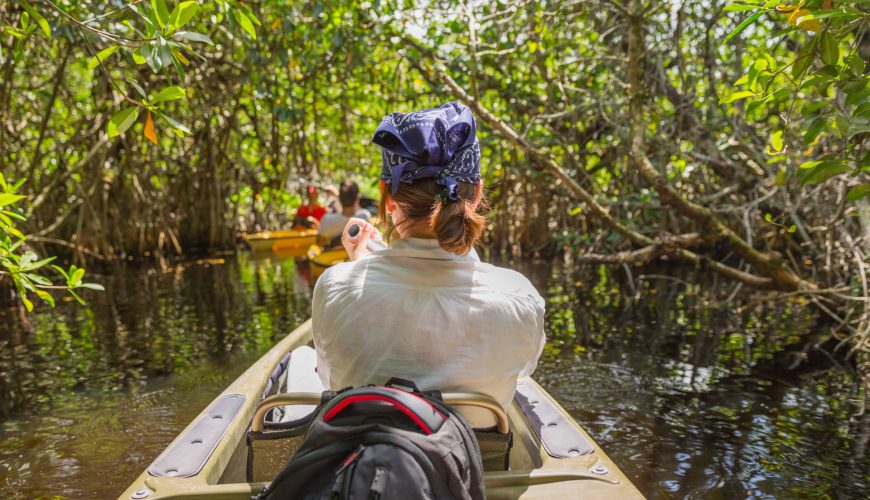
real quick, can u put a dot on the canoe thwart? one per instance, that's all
(192, 449)
(559, 436)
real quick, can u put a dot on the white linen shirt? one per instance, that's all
(418, 312)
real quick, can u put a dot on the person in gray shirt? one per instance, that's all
(332, 224)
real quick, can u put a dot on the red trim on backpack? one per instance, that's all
(332, 413)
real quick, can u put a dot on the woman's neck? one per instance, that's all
(418, 230)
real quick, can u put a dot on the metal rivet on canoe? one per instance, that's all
(599, 469)
(573, 452)
(172, 472)
(145, 493)
(552, 424)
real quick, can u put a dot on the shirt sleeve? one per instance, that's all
(318, 306)
(539, 339)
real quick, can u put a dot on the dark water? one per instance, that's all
(683, 389)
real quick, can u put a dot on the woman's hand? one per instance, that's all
(356, 247)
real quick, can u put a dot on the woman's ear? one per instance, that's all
(390, 205)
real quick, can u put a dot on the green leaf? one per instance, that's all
(76, 296)
(39, 280)
(161, 12)
(14, 232)
(45, 296)
(738, 7)
(776, 142)
(858, 192)
(37, 265)
(101, 56)
(183, 13)
(192, 36)
(809, 164)
(856, 94)
(184, 129)
(152, 57)
(828, 49)
(856, 64)
(171, 93)
(791, 229)
(856, 128)
(841, 126)
(61, 271)
(742, 26)
(24, 300)
(92, 286)
(9, 198)
(138, 89)
(781, 177)
(815, 129)
(250, 15)
(862, 110)
(743, 94)
(138, 58)
(246, 23)
(43, 24)
(76, 276)
(803, 59)
(824, 171)
(13, 215)
(123, 120)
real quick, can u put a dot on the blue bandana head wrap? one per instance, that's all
(437, 143)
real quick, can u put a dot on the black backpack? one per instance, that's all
(383, 443)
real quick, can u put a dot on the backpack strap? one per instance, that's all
(420, 411)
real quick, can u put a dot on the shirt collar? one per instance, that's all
(423, 248)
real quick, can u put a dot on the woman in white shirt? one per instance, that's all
(426, 308)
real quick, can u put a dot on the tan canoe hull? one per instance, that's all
(534, 474)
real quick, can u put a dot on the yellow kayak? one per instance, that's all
(290, 241)
(320, 259)
(552, 457)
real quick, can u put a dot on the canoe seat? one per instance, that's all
(293, 392)
(272, 444)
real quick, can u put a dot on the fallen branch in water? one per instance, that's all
(666, 245)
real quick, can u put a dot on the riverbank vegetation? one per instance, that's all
(727, 136)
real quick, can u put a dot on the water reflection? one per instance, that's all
(685, 390)
(689, 391)
(89, 396)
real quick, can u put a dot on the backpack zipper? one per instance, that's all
(341, 486)
(353, 457)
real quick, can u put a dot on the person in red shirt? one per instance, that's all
(309, 215)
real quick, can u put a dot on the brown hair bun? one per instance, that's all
(457, 225)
